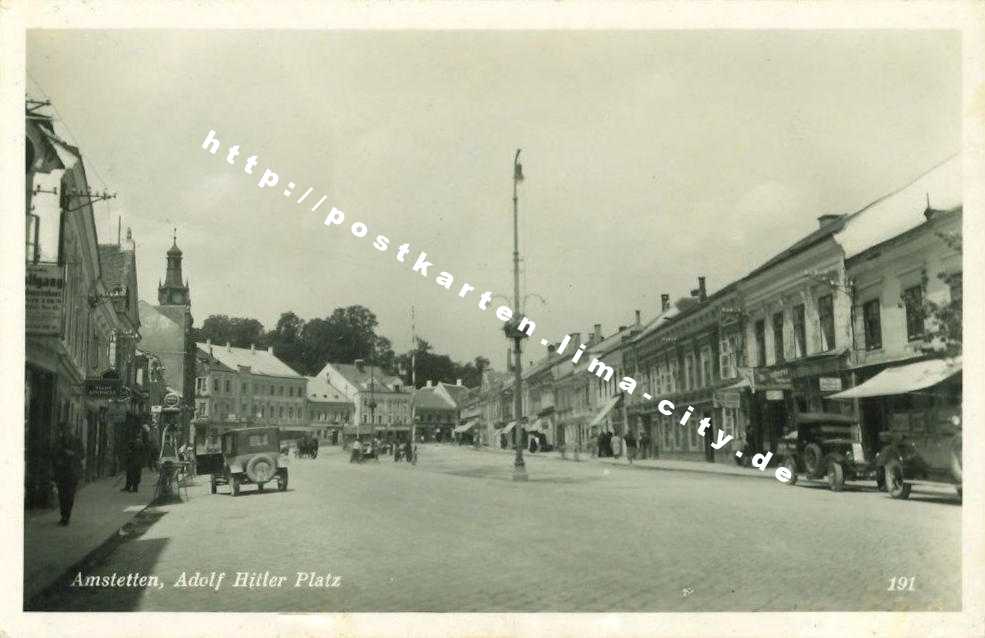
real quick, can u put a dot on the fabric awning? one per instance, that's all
(903, 379)
(509, 428)
(465, 427)
(604, 412)
(536, 426)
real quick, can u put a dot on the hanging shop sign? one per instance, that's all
(774, 395)
(44, 298)
(171, 402)
(829, 384)
(102, 388)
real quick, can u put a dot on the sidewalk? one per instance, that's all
(101, 509)
(669, 465)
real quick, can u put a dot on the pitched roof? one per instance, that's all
(361, 379)
(261, 362)
(903, 210)
(158, 331)
(430, 399)
(458, 392)
(322, 391)
(114, 265)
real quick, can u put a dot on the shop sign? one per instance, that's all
(830, 384)
(774, 395)
(44, 298)
(778, 379)
(102, 388)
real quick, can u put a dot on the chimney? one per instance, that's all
(664, 302)
(700, 291)
(638, 320)
(824, 220)
(360, 365)
(458, 382)
(598, 331)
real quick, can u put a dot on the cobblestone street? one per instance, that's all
(456, 533)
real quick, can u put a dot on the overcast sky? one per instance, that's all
(650, 158)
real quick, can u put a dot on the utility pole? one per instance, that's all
(519, 467)
(413, 380)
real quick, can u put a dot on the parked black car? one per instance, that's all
(826, 445)
(926, 455)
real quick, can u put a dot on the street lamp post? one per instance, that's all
(519, 467)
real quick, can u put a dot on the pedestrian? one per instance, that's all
(644, 450)
(630, 440)
(66, 462)
(134, 463)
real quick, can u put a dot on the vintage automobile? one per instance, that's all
(928, 453)
(249, 455)
(826, 445)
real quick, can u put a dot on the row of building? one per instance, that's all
(244, 387)
(86, 364)
(830, 312)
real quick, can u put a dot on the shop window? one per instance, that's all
(799, 330)
(778, 337)
(761, 342)
(913, 306)
(873, 325)
(826, 317)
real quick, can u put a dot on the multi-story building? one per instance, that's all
(328, 411)
(72, 367)
(435, 412)
(166, 332)
(901, 253)
(382, 403)
(238, 387)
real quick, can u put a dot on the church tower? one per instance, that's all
(174, 292)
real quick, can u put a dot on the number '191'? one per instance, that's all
(902, 583)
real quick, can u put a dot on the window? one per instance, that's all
(728, 420)
(290, 413)
(271, 388)
(280, 411)
(679, 442)
(706, 371)
(215, 385)
(228, 390)
(263, 411)
(761, 342)
(826, 317)
(689, 380)
(913, 305)
(799, 331)
(693, 436)
(242, 388)
(872, 324)
(778, 337)
(280, 390)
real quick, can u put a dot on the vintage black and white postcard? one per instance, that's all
(520, 319)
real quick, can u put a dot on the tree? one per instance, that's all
(942, 319)
(346, 335)
(241, 332)
(286, 341)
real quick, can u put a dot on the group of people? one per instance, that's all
(609, 444)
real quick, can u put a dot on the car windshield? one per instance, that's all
(257, 440)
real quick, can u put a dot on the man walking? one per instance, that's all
(66, 462)
(630, 441)
(134, 462)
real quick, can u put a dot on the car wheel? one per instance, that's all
(813, 460)
(260, 487)
(282, 482)
(895, 485)
(881, 479)
(791, 464)
(235, 486)
(836, 476)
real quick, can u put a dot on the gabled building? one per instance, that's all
(328, 411)
(242, 387)
(435, 412)
(381, 401)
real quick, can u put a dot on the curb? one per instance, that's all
(134, 528)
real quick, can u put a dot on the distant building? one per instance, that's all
(436, 413)
(382, 403)
(239, 387)
(166, 332)
(328, 410)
